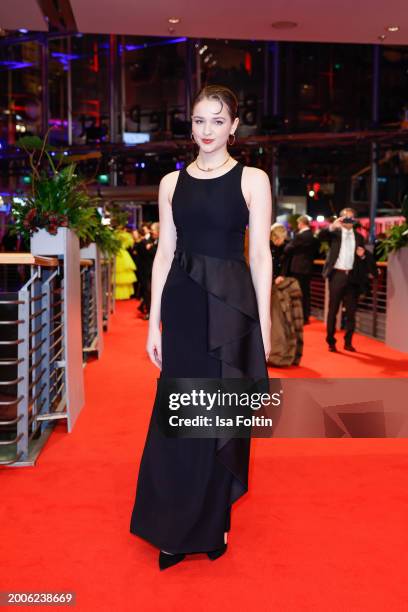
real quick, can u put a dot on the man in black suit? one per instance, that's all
(302, 250)
(348, 266)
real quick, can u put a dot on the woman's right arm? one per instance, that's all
(161, 264)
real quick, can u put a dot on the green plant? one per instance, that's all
(396, 237)
(106, 239)
(59, 199)
(118, 216)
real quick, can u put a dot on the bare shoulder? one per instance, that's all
(255, 175)
(255, 185)
(170, 179)
(254, 180)
(168, 184)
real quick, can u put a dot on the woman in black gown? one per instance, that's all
(215, 315)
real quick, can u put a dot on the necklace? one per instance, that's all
(211, 169)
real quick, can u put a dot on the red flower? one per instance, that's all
(30, 215)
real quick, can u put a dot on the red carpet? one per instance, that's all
(373, 360)
(323, 528)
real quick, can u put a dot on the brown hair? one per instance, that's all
(224, 95)
(304, 219)
(346, 210)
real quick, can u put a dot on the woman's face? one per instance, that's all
(277, 241)
(211, 128)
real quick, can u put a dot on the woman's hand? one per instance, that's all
(267, 348)
(154, 346)
(266, 339)
(279, 279)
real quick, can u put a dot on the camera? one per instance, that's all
(349, 220)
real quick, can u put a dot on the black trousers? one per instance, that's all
(304, 282)
(341, 290)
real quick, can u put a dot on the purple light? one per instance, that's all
(59, 122)
(65, 57)
(9, 65)
(180, 165)
(160, 43)
(23, 30)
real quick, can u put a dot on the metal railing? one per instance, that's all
(88, 306)
(32, 360)
(33, 368)
(372, 308)
(108, 289)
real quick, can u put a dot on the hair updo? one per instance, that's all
(222, 94)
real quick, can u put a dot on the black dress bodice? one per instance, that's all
(211, 215)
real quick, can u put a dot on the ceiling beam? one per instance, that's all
(59, 15)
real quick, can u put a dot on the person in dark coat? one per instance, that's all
(302, 250)
(143, 259)
(278, 242)
(151, 249)
(348, 267)
(286, 305)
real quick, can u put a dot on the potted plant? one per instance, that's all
(394, 250)
(396, 236)
(58, 197)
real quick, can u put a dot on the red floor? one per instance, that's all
(373, 360)
(323, 527)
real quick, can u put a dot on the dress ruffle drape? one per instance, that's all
(234, 338)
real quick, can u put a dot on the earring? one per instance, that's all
(233, 142)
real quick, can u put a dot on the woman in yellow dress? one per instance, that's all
(125, 267)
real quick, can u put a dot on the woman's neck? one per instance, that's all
(213, 159)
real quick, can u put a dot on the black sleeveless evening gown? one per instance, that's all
(210, 329)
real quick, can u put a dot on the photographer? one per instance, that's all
(348, 267)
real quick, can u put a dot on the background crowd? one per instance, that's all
(134, 264)
(349, 266)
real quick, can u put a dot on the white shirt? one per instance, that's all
(345, 260)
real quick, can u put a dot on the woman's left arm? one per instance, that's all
(259, 254)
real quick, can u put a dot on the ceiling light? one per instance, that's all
(393, 28)
(382, 37)
(284, 25)
(174, 20)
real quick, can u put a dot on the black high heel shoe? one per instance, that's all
(214, 554)
(166, 560)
